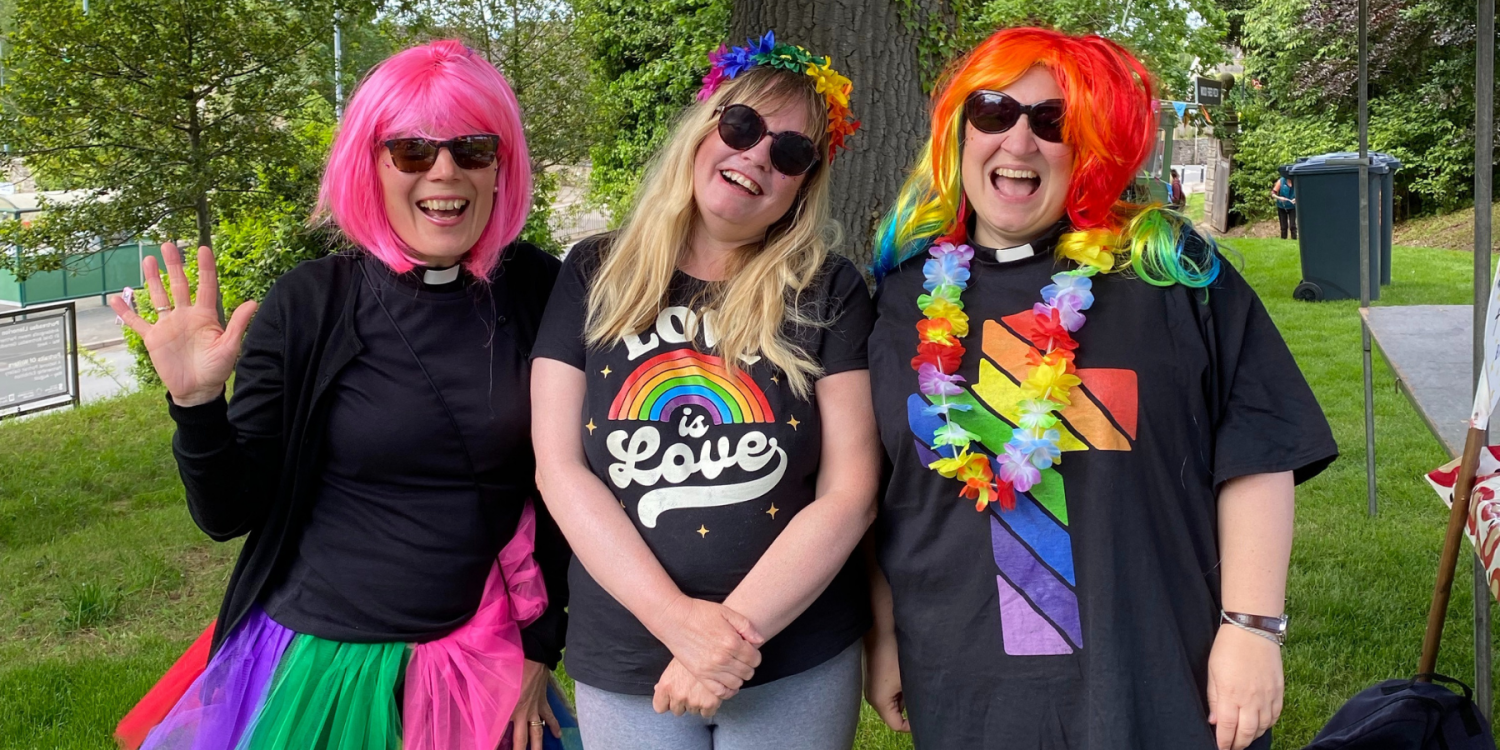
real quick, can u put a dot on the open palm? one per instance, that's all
(192, 353)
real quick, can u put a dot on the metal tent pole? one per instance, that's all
(1484, 153)
(1364, 253)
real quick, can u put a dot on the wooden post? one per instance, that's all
(1453, 541)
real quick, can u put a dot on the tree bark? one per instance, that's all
(205, 220)
(871, 44)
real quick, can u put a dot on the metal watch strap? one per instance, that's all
(1272, 628)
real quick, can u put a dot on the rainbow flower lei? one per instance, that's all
(1046, 390)
(728, 62)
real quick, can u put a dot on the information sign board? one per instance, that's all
(38, 359)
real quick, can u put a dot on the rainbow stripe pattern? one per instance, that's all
(682, 377)
(1032, 542)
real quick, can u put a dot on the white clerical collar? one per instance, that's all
(1005, 255)
(439, 276)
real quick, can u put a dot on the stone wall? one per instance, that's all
(1198, 151)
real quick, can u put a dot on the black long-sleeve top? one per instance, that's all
(290, 460)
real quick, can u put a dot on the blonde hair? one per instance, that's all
(763, 288)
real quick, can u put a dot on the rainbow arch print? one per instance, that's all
(662, 384)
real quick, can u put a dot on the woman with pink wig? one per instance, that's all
(400, 584)
(1093, 431)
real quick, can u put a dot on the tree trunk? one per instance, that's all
(205, 221)
(871, 44)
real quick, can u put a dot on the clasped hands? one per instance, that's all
(715, 650)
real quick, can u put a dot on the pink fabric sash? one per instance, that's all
(462, 689)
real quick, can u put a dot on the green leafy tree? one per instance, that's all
(169, 115)
(650, 58)
(1174, 38)
(538, 45)
(1301, 60)
(270, 232)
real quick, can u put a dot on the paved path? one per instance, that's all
(97, 328)
(100, 334)
(110, 376)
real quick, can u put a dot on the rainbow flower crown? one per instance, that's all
(728, 62)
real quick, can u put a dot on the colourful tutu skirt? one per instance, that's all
(269, 688)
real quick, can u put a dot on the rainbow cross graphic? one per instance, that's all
(1032, 545)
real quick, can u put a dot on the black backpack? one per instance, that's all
(1407, 715)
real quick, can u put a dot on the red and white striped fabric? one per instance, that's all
(1483, 529)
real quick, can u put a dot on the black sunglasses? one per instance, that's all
(994, 112)
(419, 154)
(741, 127)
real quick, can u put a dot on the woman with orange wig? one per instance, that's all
(1093, 426)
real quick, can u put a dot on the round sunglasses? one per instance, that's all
(994, 112)
(420, 154)
(741, 127)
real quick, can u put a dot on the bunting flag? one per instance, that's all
(1483, 527)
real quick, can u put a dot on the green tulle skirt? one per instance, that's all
(332, 696)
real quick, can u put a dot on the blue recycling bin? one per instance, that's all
(1327, 190)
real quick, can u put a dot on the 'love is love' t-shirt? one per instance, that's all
(709, 464)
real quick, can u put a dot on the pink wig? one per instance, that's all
(437, 90)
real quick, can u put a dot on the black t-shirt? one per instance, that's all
(1083, 618)
(423, 482)
(709, 466)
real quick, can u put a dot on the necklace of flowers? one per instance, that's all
(1045, 392)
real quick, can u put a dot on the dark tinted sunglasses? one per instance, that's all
(994, 112)
(419, 154)
(741, 127)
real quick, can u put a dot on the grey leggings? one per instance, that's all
(815, 710)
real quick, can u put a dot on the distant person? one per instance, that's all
(1286, 206)
(1178, 198)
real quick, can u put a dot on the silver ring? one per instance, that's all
(538, 723)
(168, 308)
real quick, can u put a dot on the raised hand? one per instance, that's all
(716, 644)
(192, 353)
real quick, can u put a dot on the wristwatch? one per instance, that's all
(1270, 628)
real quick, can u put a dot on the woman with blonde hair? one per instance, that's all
(708, 446)
(1093, 426)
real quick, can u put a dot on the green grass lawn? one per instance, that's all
(104, 579)
(1193, 207)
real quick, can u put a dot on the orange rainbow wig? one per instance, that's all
(1110, 124)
